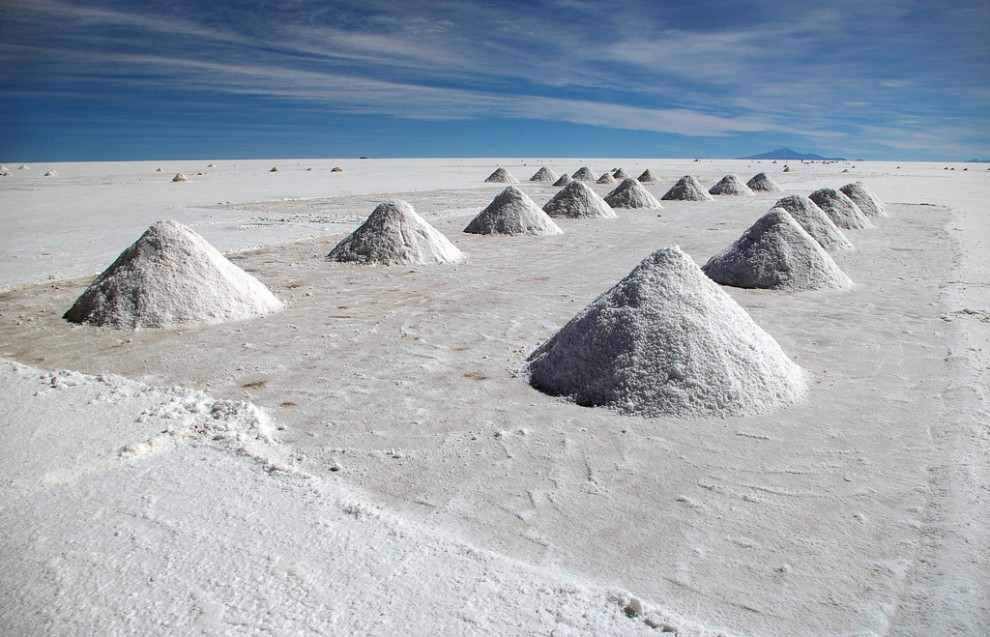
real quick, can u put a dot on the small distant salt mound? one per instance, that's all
(775, 253)
(394, 234)
(648, 177)
(584, 174)
(513, 212)
(787, 169)
(23, 167)
(577, 201)
(687, 188)
(3, 167)
(618, 173)
(274, 169)
(336, 169)
(840, 209)
(667, 341)
(563, 181)
(815, 222)
(159, 170)
(730, 185)
(51, 173)
(501, 176)
(631, 194)
(606, 179)
(863, 197)
(4, 173)
(168, 278)
(180, 177)
(211, 165)
(544, 175)
(762, 182)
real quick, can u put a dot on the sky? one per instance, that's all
(182, 79)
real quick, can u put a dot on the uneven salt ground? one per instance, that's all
(189, 518)
(785, 485)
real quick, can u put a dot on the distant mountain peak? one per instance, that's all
(787, 153)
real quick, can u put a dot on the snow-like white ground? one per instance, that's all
(369, 460)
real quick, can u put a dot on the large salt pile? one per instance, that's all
(168, 278)
(631, 194)
(544, 175)
(648, 177)
(563, 181)
(667, 341)
(584, 174)
(578, 201)
(863, 197)
(730, 185)
(513, 212)
(775, 253)
(618, 173)
(815, 222)
(501, 176)
(687, 188)
(606, 179)
(841, 209)
(762, 182)
(394, 234)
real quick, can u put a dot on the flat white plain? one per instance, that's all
(369, 460)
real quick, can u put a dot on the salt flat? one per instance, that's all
(391, 402)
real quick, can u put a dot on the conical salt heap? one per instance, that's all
(577, 201)
(775, 253)
(815, 222)
(863, 197)
(606, 179)
(618, 173)
(180, 177)
(687, 188)
(563, 181)
(730, 185)
(762, 182)
(584, 174)
(631, 194)
(501, 176)
(171, 277)
(394, 234)
(544, 175)
(513, 212)
(648, 177)
(840, 209)
(666, 341)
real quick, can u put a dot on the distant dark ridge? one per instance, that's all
(787, 153)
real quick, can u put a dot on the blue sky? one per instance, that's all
(117, 80)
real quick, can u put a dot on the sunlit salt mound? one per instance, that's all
(563, 181)
(180, 177)
(730, 185)
(815, 222)
(620, 174)
(394, 234)
(577, 201)
(584, 174)
(606, 179)
(544, 175)
(863, 197)
(631, 194)
(666, 341)
(687, 188)
(513, 212)
(762, 182)
(648, 177)
(501, 176)
(775, 253)
(840, 209)
(168, 278)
